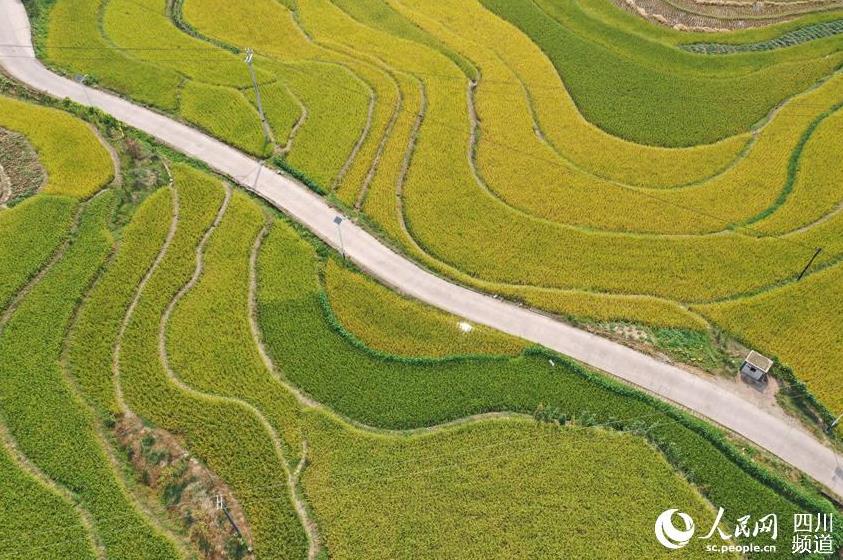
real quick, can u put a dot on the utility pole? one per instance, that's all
(81, 79)
(810, 262)
(338, 221)
(257, 176)
(221, 505)
(249, 56)
(833, 424)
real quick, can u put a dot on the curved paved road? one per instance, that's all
(782, 438)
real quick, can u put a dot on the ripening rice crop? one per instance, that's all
(511, 481)
(558, 191)
(224, 434)
(595, 169)
(815, 191)
(76, 162)
(328, 21)
(74, 41)
(312, 351)
(31, 232)
(225, 113)
(91, 342)
(159, 42)
(807, 334)
(283, 110)
(44, 414)
(533, 79)
(377, 14)
(599, 61)
(336, 117)
(338, 114)
(380, 200)
(27, 504)
(388, 322)
(209, 340)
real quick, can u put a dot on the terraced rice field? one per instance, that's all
(283, 372)
(569, 155)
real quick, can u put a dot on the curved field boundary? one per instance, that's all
(379, 317)
(35, 270)
(223, 433)
(409, 385)
(11, 447)
(62, 142)
(175, 379)
(141, 509)
(95, 341)
(789, 39)
(663, 85)
(314, 540)
(210, 320)
(130, 310)
(366, 250)
(300, 121)
(794, 163)
(45, 414)
(63, 528)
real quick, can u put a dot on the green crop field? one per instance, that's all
(444, 489)
(568, 155)
(379, 318)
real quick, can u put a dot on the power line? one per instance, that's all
(557, 87)
(728, 223)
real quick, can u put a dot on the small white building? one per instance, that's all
(756, 367)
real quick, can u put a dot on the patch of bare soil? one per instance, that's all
(22, 173)
(191, 494)
(723, 15)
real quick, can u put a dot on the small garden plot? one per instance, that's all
(21, 174)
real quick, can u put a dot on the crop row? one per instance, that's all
(815, 191)
(92, 340)
(434, 175)
(502, 234)
(24, 502)
(35, 522)
(556, 191)
(32, 231)
(530, 491)
(379, 318)
(75, 161)
(599, 60)
(324, 144)
(789, 39)
(224, 435)
(392, 392)
(74, 42)
(44, 414)
(209, 338)
(534, 81)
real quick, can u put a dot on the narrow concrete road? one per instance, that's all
(789, 442)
